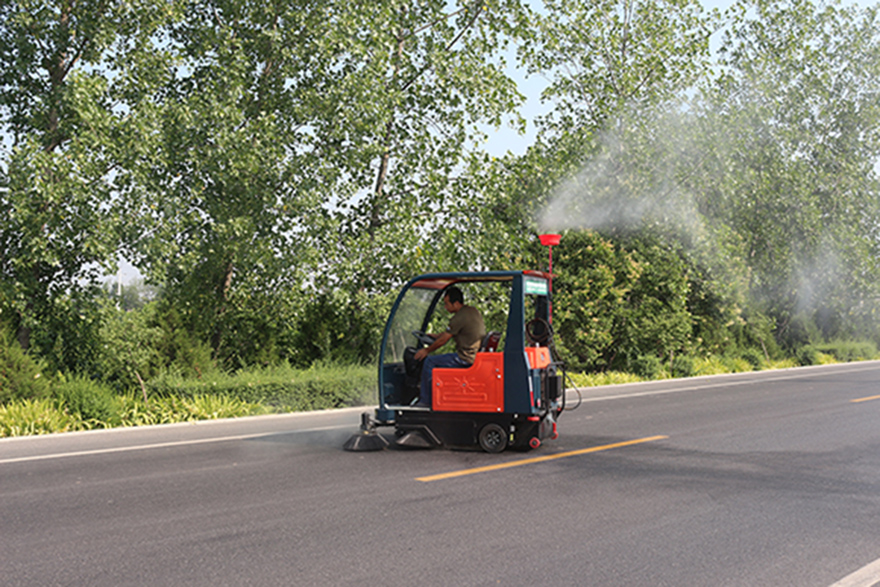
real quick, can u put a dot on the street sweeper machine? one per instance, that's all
(509, 397)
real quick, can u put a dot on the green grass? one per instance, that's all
(168, 410)
(31, 417)
(713, 365)
(79, 404)
(598, 379)
(46, 416)
(280, 387)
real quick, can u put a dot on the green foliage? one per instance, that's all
(646, 366)
(593, 280)
(604, 378)
(432, 76)
(21, 376)
(169, 410)
(340, 328)
(181, 350)
(711, 365)
(807, 355)
(306, 144)
(779, 130)
(658, 317)
(614, 303)
(754, 358)
(68, 337)
(131, 347)
(281, 387)
(846, 351)
(68, 99)
(87, 400)
(683, 366)
(48, 416)
(34, 416)
(605, 55)
(139, 344)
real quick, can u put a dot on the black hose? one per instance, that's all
(578, 391)
(551, 344)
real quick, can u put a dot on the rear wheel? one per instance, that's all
(493, 438)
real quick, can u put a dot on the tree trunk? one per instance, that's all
(24, 337)
(223, 296)
(379, 188)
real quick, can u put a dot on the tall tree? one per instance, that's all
(68, 91)
(431, 73)
(794, 122)
(223, 199)
(605, 57)
(614, 68)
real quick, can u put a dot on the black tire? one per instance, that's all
(493, 438)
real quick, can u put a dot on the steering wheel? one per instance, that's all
(424, 339)
(538, 330)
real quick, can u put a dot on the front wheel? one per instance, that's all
(493, 439)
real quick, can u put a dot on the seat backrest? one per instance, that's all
(490, 342)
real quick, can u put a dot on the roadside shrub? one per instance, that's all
(88, 400)
(130, 347)
(754, 358)
(781, 364)
(646, 366)
(619, 299)
(737, 365)
(21, 376)
(281, 387)
(30, 417)
(849, 351)
(66, 335)
(711, 365)
(348, 332)
(210, 407)
(826, 359)
(683, 366)
(604, 378)
(807, 355)
(168, 410)
(178, 346)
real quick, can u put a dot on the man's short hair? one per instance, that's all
(454, 294)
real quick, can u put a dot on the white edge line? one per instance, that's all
(122, 430)
(697, 386)
(101, 451)
(867, 576)
(361, 408)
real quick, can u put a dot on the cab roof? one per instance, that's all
(442, 280)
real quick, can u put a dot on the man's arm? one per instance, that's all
(440, 340)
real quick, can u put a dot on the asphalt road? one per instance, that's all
(759, 479)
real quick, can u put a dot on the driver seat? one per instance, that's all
(490, 342)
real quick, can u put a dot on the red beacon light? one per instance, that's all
(549, 240)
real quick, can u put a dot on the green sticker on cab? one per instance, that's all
(536, 286)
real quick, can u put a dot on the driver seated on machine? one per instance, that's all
(466, 329)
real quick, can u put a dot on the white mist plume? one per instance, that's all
(818, 278)
(631, 183)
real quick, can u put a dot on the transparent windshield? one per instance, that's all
(491, 298)
(410, 316)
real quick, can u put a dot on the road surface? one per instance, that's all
(766, 479)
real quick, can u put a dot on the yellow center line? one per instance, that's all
(561, 455)
(864, 399)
